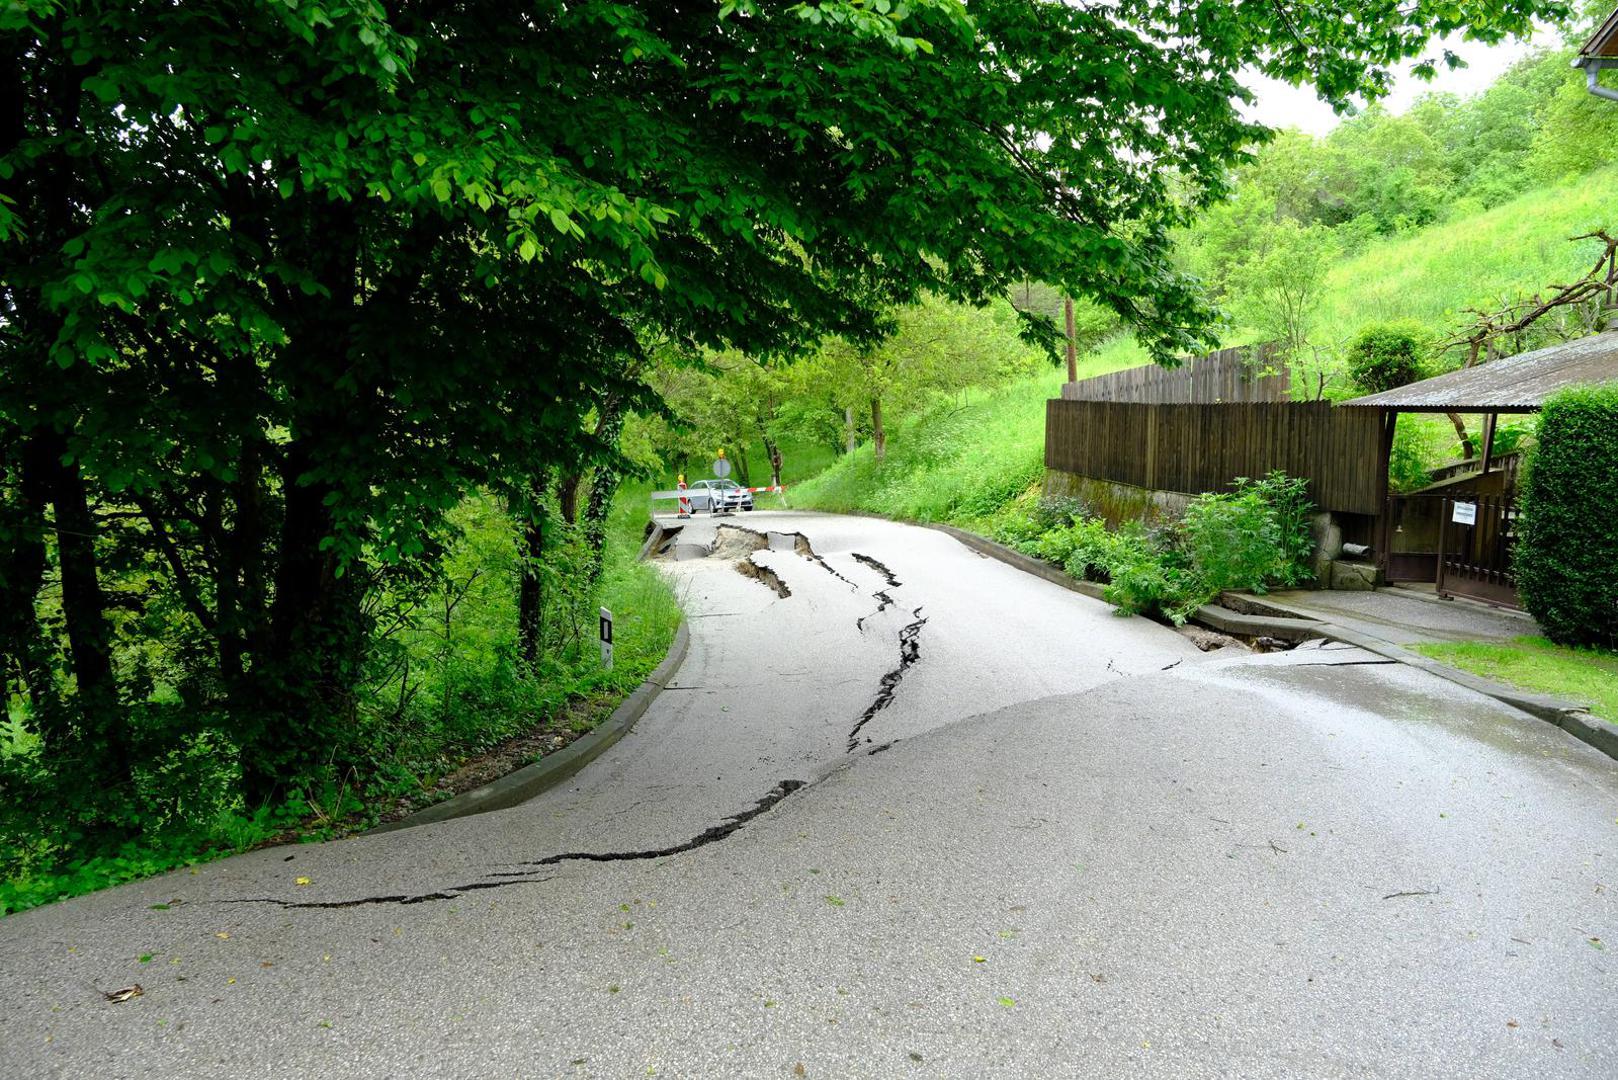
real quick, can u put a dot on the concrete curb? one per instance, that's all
(1250, 624)
(551, 770)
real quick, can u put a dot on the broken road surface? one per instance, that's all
(906, 811)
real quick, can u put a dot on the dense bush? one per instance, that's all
(1567, 548)
(1386, 355)
(1232, 541)
(1252, 538)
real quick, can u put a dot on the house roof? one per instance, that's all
(1518, 383)
(1605, 41)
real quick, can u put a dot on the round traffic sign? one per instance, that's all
(721, 468)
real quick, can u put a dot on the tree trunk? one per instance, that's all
(567, 498)
(848, 430)
(22, 645)
(1072, 341)
(603, 487)
(773, 448)
(879, 435)
(84, 610)
(316, 642)
(530, 586)
(239, 593)
(1468, 447)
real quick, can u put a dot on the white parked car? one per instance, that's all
(719, 496)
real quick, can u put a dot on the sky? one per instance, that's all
(1281, 105)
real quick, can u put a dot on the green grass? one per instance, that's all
(1432, 276)
(1588, 676)
(1479, 260)
(951, 462)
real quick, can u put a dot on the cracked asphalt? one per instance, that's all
(917, 815)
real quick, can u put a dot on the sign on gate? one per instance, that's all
(1464, 513)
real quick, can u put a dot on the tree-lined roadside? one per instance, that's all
(314, 314)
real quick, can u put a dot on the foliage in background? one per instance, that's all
(1382, 356)
(1418, 444)
(1567, 542)
(1277, 286)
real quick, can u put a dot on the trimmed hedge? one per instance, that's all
(1567, 545)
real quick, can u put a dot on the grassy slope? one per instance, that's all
(949, 463)
(1480, 260)
(1433, 275)
(1584, 675)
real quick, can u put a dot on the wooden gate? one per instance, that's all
(1475, 555)
(1411, 538)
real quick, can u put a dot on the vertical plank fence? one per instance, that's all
(1239, 374)
(1194, 448)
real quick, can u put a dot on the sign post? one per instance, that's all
(606, 639)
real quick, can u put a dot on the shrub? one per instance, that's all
(1385, 355)
(1251, 538)
(1567, 548)
(1232, 541)
(1288, 500)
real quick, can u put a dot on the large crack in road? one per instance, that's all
(909, 653)
(711, 835)
(739, 543)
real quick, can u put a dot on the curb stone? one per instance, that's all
(551, 770)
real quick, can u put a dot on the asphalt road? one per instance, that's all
(923, 816)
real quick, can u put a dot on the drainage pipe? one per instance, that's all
(1592, 66)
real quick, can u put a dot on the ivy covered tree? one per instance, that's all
(285, 281)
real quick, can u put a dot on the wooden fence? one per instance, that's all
(1197, 448)
(1227, 375)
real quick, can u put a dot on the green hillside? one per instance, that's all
(1479, 260)
(961, 463)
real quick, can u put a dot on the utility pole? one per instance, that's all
(1072, 341)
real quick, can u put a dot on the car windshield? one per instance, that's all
(726, 484)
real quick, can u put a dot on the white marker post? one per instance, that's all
(606, 639)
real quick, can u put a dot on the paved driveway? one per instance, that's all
(923, 816)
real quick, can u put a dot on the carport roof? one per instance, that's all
(1518, 383)
(1604, 42)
